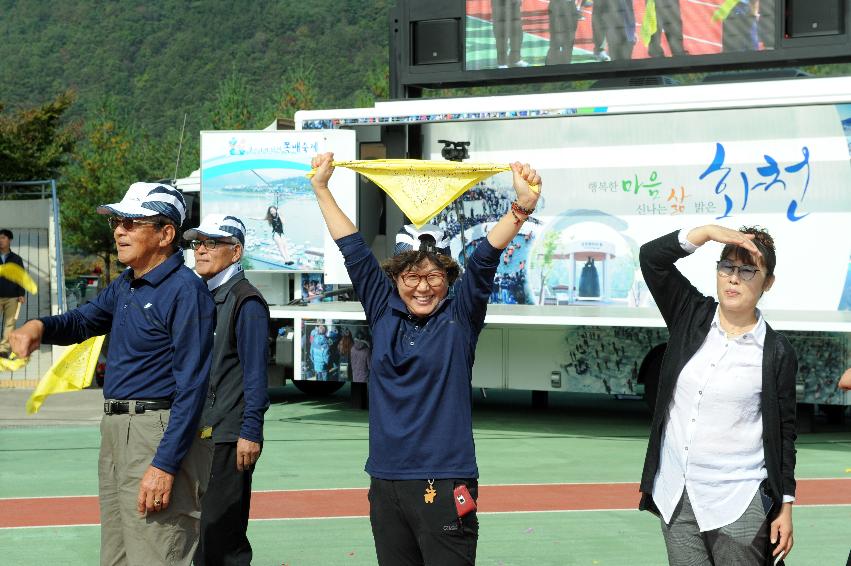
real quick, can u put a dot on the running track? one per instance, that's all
(329, 503)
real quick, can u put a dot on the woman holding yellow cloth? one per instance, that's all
(422, 462)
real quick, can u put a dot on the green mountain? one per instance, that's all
(157, 60)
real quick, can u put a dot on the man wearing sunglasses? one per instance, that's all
(154, 461)
(237, 397)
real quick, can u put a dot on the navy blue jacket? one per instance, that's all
(420, 397)
(161, 334)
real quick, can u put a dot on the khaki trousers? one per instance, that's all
(168, 537)
(8, 306)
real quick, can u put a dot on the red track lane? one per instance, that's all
(56, 511)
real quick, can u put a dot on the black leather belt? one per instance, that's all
(112, 407)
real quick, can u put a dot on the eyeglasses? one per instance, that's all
(209, 244)
(129, 224)
(746, 272)
(434, 279)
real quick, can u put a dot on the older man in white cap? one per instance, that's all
(237, 397)
(154, 458)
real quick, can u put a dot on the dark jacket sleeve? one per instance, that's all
(369, 280)
(474, 288)
(192, 321)
(252, 332)
(91, 319)
(670, 288)
(787, 404)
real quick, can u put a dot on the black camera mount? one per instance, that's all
(454, 151)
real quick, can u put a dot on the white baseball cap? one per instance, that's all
(218, 226)
(149, 199)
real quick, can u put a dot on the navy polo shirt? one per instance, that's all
(420, 396)
(161, 336)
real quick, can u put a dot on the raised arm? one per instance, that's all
(339, 225)
(509, 225)
(670, 288)
(712, 232)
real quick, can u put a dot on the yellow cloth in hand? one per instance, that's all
(72, 372)
(422, 188)
(16, 274)
(12, 363)
(649, 25)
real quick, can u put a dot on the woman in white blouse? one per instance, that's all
(720, 463)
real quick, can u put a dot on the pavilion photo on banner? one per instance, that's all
(259, 176)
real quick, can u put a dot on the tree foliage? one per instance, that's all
(35, 143)
(231, 109)
(161, 60)
(544, 260)
(105, 165)
(298, 91)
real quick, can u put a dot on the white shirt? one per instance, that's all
(712, 444)
(223, 276)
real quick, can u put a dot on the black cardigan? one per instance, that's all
(688, 315)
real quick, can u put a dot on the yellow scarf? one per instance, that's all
(422, 188)
(72, 372)
(16, 274)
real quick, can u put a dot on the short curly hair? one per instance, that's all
(406, 261)
(764, 243)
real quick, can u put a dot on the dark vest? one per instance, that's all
(225, 402)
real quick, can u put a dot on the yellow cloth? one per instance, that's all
(72, 372)
(16, 274)
(649, 25)
(724, 10)
(422, 188)
(12, 363)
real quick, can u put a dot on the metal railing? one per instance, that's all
(42, 189)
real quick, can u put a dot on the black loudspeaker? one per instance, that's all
(436, 41)
(809, 18)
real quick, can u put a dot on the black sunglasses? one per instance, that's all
(746, 272)
(129, 223)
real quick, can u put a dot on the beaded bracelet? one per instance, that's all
(515, 206)
(517, 219)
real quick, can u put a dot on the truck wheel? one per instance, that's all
(317, 388)
(648, 374)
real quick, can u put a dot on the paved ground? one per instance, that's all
(320, 444)
(79, 408)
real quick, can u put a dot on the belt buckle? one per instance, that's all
(107, 407)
